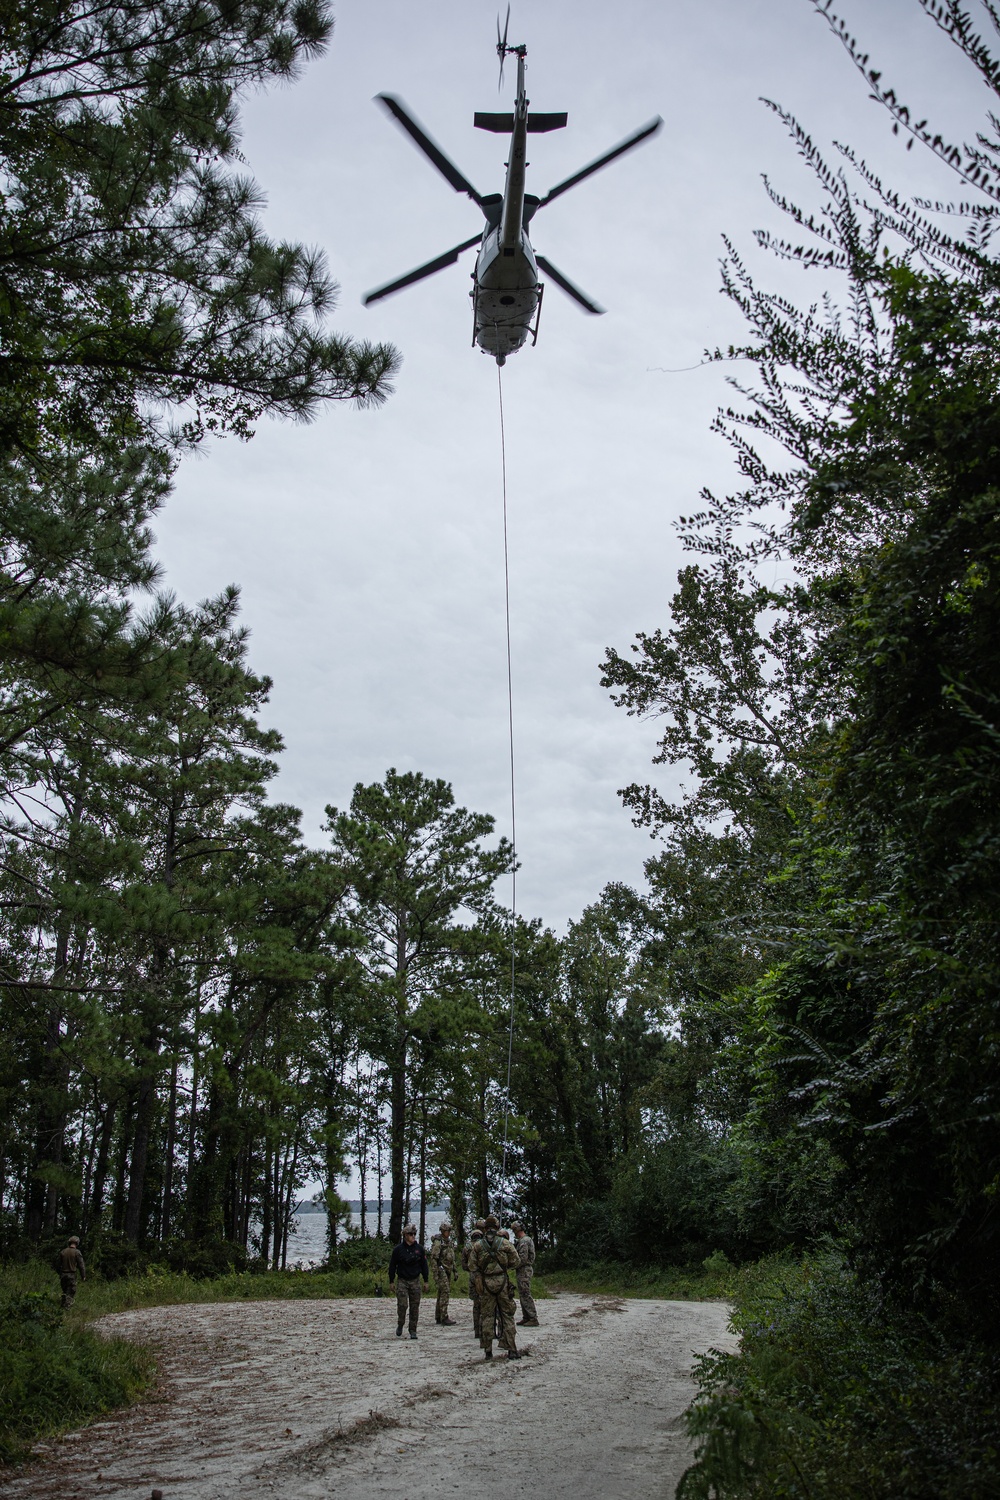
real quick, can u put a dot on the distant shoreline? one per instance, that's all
(354, 1204)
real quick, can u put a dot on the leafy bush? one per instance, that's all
(712, 1280)
(671, 1203)
(361, 1255)
(203, 1260)
(52, 1377)
(833, 1396)
(116, 1257)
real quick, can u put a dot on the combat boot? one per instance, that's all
(527, 1322)
(399, 1330)
(488, 1354)
(513, 1354)
(449, 1322)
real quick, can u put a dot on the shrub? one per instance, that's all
(361, 1255)
(52, 1377)
(834, 1396)
(203, 1260)
(116, 1257)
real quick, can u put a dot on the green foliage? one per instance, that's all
(137, 270)
(833, 873)
(710, 1281)
(835, 1395)
(53, 1377)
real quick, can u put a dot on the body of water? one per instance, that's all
(307, 1245)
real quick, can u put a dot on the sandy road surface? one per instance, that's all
(262, 1401)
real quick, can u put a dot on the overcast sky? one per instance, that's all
(368, 545)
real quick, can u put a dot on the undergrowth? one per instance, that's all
(712, 1279)
(54, 1376)
(834, 1396)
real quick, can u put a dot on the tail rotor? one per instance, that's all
(502, 44)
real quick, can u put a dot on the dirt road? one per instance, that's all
(308, 1400)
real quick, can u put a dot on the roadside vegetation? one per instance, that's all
(57, 1374)
(835, 1397)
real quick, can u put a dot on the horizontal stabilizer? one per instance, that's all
(504, 124)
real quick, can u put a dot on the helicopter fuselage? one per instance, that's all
(505, 293)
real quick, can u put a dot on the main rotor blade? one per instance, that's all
(447, 259)
(430, 148)
(595, 166)
(567, 285)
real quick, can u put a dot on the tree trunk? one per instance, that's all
(49, 1116)
(459, 1207)
(484, 1190)
(144, 1115)
(94, 1206)
(121, 1170)
(378, 1166)
(397, 1144)
(166, 1213)
(265, 1207)
(423, 1169)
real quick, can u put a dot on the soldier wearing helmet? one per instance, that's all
(474, 1298)
(489, 1261)
(443, 1264)
(525, 1247)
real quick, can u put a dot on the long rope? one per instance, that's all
(513, 799)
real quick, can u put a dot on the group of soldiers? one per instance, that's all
(488, 1256)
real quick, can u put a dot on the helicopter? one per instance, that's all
(506, 293)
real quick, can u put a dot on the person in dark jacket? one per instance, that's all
(407, 1268)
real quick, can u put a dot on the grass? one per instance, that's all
(55, 1375)
(713, 1280)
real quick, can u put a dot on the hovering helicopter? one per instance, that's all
(506, 293)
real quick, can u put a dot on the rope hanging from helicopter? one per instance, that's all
(513, 799)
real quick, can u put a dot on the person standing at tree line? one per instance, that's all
(69, 1263)
(474, 1297)
(525, 1247)
(443, 1261)
(407, 1267)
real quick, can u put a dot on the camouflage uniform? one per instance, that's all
(474, 1296)
(70, 1263)
(525, 1247)
(408, 1302)
(489, 1263)
(443, 1260)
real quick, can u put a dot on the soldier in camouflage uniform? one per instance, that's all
(488, 1263)
(70, 1263)
(443, 1262)
(474, 1297)
(525, 1247)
